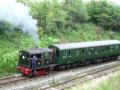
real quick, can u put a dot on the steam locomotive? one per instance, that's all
(62, 56)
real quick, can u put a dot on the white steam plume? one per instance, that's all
(18, 15)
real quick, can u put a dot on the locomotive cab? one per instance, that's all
(43, 59)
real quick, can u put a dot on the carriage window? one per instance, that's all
(89, 53)
(87, 50)
(107, 48)
(103, 48)
(99, 48)
(116, 47)
(77, 52)
(91, 49)
(69, 54)
(111, 48)
(83, 51)
(96, 52)
(64, 54)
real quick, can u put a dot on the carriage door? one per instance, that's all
(53, 55)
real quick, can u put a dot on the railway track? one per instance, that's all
(15, 78)
(83, 78)
(57, 79)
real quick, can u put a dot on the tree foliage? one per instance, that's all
(50, 16)
(54, 17)
(76, 12)
(104, 14)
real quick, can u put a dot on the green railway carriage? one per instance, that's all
(43, 57)
(85, 51)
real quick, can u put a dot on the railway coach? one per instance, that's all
(61, 56)
(85, 52)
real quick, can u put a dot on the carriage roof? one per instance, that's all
(85, 44)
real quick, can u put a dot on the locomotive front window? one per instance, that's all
(57, 53)
(23, 58)
(37, 55)
(46, 54)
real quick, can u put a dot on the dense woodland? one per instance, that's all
(68, 21)
(56, 17)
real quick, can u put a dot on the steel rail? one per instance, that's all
(11, 79)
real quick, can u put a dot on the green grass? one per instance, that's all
(9, 53)
(112, 83)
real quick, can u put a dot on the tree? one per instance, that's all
(50, 16)
(76, 11)
(104, 14)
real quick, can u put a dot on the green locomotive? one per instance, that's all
(61, 56)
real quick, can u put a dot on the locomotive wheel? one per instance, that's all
(74, 65)
(68, 66)
(87, 62)
(32, 74)
(61, 67)
(56, 68)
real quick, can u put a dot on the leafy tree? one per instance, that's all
(104, 14)
(76, 11)
(50, 16)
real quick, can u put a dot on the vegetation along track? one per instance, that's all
(57, 79)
